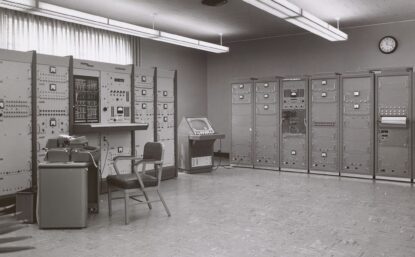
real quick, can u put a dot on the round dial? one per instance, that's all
(388, 45)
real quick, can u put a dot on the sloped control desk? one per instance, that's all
(196, 138)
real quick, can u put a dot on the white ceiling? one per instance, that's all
(238, 20)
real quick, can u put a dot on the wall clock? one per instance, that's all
(388, 45)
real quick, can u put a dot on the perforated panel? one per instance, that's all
(15, 124)
(166, 115)
(144, 107)
(52, 101)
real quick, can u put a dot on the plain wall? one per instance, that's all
(304, 54)
(191, 73)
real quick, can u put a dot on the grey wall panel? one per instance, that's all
(357, 124)
(393, 92)
(266, 146)
(324, 123)
(242, 124)
(294, 143)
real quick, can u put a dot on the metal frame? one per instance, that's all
(34, 119)
(144, 190)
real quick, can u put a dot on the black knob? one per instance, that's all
(105, 109)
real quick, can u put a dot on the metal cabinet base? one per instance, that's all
(63, 195)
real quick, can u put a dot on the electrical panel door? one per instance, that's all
(166, 117)
(357, 125)
(144, 107)
(394, 124)
(52, 100)
(267, 125)
(294, 143)
(324, 124)
(15, 121)
(242, 124)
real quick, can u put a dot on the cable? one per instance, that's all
(105, 162)
(220, 159)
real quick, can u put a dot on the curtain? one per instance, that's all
(25, 32)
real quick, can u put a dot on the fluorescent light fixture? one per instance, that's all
(18, 4)
(134, 30)
(295, 15)
(282, 8)
(191, 43)
(73, 16)
(71, 12)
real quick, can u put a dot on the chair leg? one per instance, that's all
(126, 196)
(164, 203)
(109, 201)
(147, 199)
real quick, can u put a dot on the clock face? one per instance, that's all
(388, 45)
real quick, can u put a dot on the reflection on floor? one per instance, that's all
(244, 212)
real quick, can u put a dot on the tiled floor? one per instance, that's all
(244, 212)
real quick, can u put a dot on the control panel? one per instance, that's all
(242, 123)
(144, 106)
(357, 131)
(294, 143)
(267, 124)
(115, 97)
(166, 117)
(105, 91)
(52, 100)
(15, 121)
(394, 123)
(86, 99)
(201, 126)
(324, 123)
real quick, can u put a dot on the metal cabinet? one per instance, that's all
(294, 143)
(393, 124)
(357, 130)
(242, 124)
(266, 146)
(324, 124)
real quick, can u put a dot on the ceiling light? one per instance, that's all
(18, 4)
(191, 43)
(134, 29)
(71, 12)
(295, 15)
(69, 15)
(280, 8)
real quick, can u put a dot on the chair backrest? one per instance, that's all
(153, 151)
